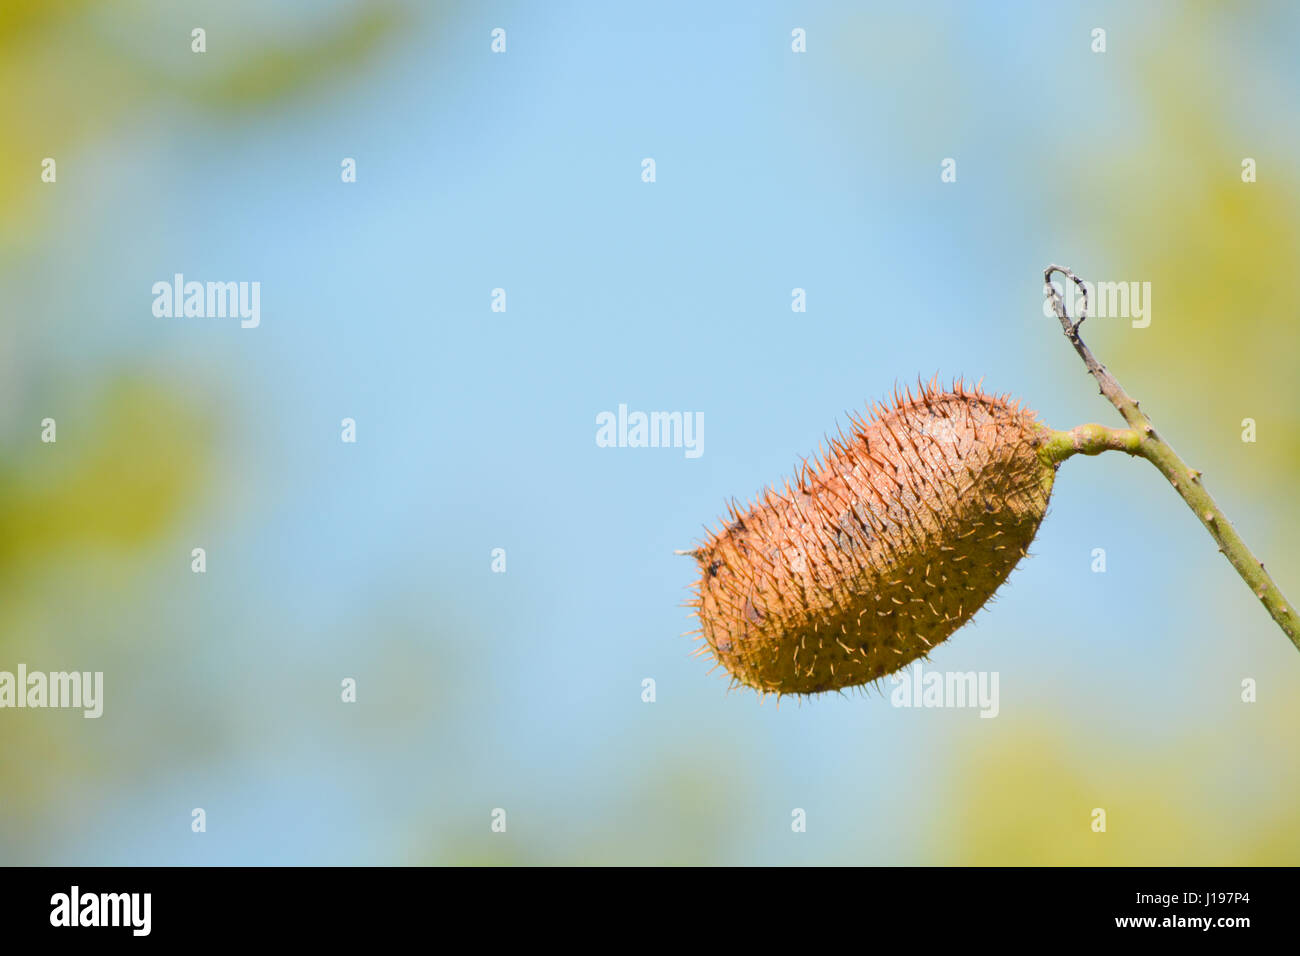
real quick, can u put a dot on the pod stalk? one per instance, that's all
(1142, 439)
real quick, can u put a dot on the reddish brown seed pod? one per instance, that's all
(884, 545)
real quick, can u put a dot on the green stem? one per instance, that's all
(1141, 439)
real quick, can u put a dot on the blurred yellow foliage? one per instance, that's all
(1219, 253)
(72, 75)
(114, 478)
(1026, 796)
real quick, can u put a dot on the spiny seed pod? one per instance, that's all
(887, 543)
